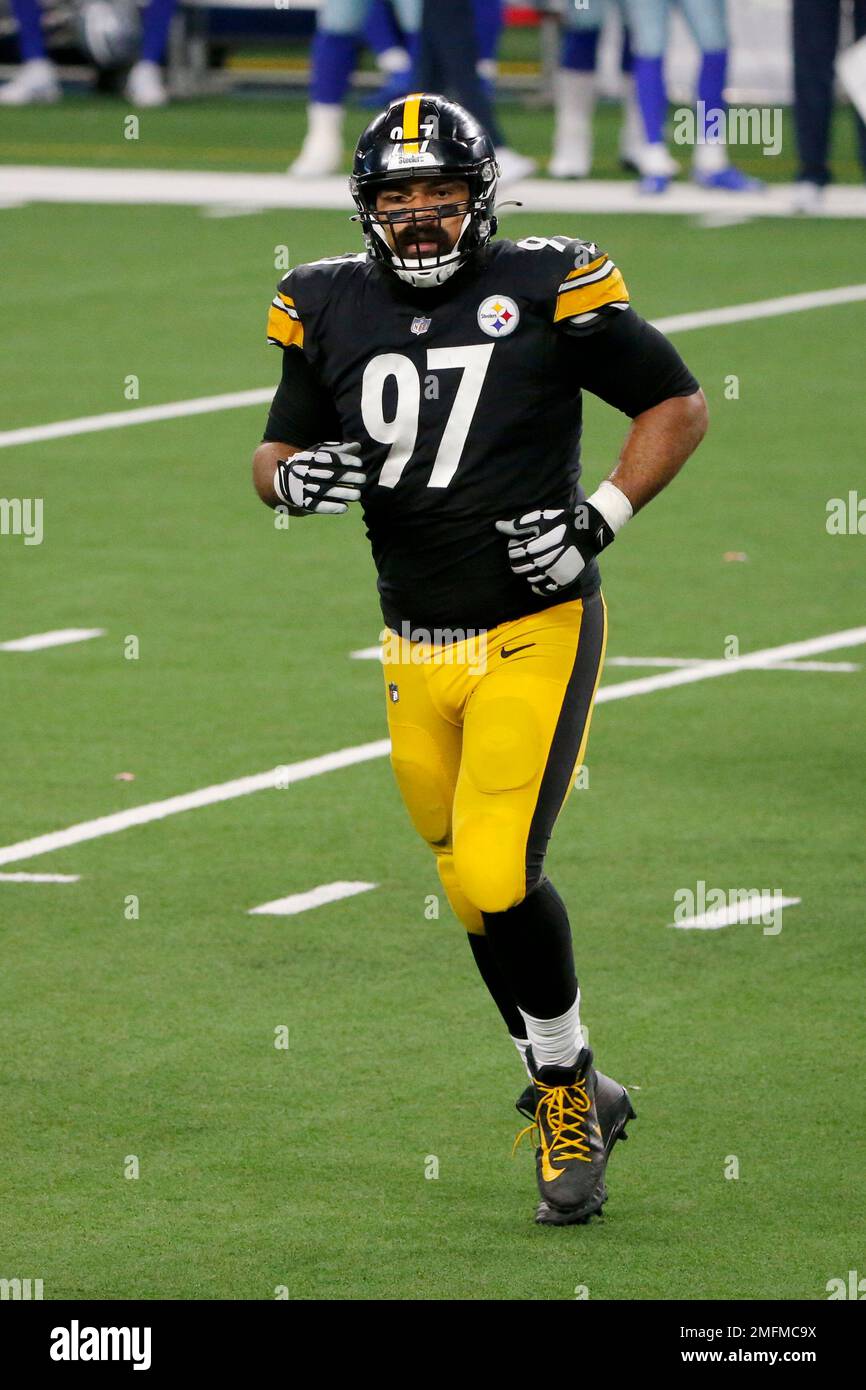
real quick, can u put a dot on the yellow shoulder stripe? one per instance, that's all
(286, 299)
(284, 330)
(587, 269)
(584, 298)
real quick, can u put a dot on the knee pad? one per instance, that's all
(502, 744)
(465, 911)
(423, 784)
(489, 860)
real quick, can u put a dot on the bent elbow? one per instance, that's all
(699, 415)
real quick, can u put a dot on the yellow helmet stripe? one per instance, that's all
(411, 109)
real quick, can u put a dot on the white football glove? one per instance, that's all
(549, 548)
(323, 479)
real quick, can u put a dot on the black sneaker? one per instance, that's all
(570, 1159)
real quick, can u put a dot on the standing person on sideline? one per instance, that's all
(576, 93)
(448, 61)
(485, 546)
(649, 22)
(816, 39)
(37, 81)
(339, 27)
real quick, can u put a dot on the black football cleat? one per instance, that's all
(612, 1103)
(570, 1159)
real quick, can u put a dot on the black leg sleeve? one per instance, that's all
(497, 988)
(531, 945)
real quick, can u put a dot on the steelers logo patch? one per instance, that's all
(498, 316)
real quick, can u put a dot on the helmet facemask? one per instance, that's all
(477, 226)
(427, 223)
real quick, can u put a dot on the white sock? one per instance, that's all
(575, 97)
(710, 159)
(324, 118)
(555, 1042)
(394, 60)
(40, 67)
(522, 1045)
(631, 136)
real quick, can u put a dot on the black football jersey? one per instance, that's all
(466, 400)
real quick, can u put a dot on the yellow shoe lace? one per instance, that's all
(567, 1110)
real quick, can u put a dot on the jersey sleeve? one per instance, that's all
(589, 294)
(302, 411)
(632, 366)
(285, 327)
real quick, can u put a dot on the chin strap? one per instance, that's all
(436, 275)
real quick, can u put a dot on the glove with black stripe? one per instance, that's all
(550, 548)
(322, 480)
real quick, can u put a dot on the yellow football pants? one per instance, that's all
(486, 736)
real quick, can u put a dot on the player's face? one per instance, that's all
(425, 234)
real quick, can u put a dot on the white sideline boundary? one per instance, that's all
(346, 757)
(232, 400)
(47, 183)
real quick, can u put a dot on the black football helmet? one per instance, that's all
(419, 136)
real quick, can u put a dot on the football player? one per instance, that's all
(435, 379)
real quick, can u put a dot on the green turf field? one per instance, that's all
(154, 1036)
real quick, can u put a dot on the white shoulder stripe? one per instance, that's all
(593, 314)
(600, 274)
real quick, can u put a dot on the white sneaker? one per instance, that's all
(145, 86)
(35, 83)
(514, 166)
(808, 198)
(322, 150)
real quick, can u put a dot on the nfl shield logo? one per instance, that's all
(420, 325)
(393, 692)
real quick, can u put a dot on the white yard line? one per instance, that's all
(30, 183)
(375, 654)
(346, 757)
(676, 661)
(61, 637)
(751, 910)
(233, 400)
(837, 666)
(192, 801)
(39, 878)
(142, 415)
(314, 897)
(749, 661)
(762, 309)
